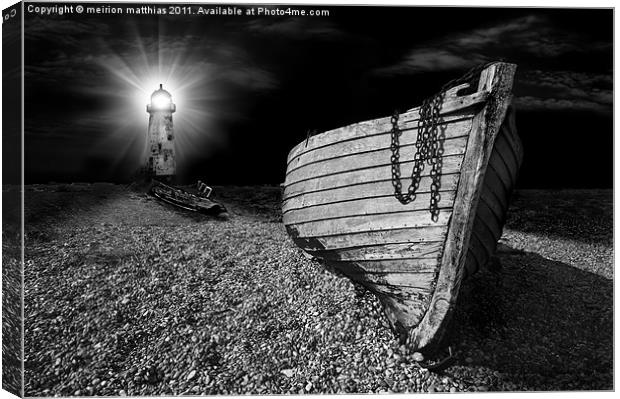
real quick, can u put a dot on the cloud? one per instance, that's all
(566, 90)
(530, 103)
(186, 55)
(427, 59)
(530, 36)
(296, 28)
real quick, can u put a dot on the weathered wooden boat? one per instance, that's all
(344, 201)
(195, 200)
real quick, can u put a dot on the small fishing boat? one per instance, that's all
(411, 240)
(196, 200)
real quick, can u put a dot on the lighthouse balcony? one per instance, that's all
(168, 108)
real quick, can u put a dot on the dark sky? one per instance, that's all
(250, 87)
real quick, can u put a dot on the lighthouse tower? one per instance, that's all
(160, 161)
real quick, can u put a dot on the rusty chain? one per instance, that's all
(429, 145)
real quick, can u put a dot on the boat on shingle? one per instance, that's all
(411, 239)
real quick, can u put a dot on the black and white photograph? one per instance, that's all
(204, 198)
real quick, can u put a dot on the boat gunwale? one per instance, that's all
(457, 118)
(450, 106)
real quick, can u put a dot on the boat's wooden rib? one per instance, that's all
(373, 143)
(366, 238)
(367, 159)
(372, 189)
(339, 204)
(355, 175)
(364, 206)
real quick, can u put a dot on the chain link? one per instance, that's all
(429, 146)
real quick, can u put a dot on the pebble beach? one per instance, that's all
(125, 295)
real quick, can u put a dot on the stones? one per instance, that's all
(417, 357)
(288, 372)
(191, 375)
(246, 323)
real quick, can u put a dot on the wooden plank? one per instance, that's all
(478, 248)
(490, 221)
(370, 223)
(496, 205)
(404, 309)
(374, 142)
(393, 236)
(502, 152)
(364, 206)
(471, 265)
(383, 252)
(502, 172)
(407, 127)
(485, 236)
(419, 281)
(419, 265)
(498, 77)
(458, 106)
(450, 164)
(365, 160)
(509, 131)
(364, 190)
(504, 146)
(402, 293)
(494, 185)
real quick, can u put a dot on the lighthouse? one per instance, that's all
(160, 161)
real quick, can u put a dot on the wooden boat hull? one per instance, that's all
(185, 199)
(339, 204)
